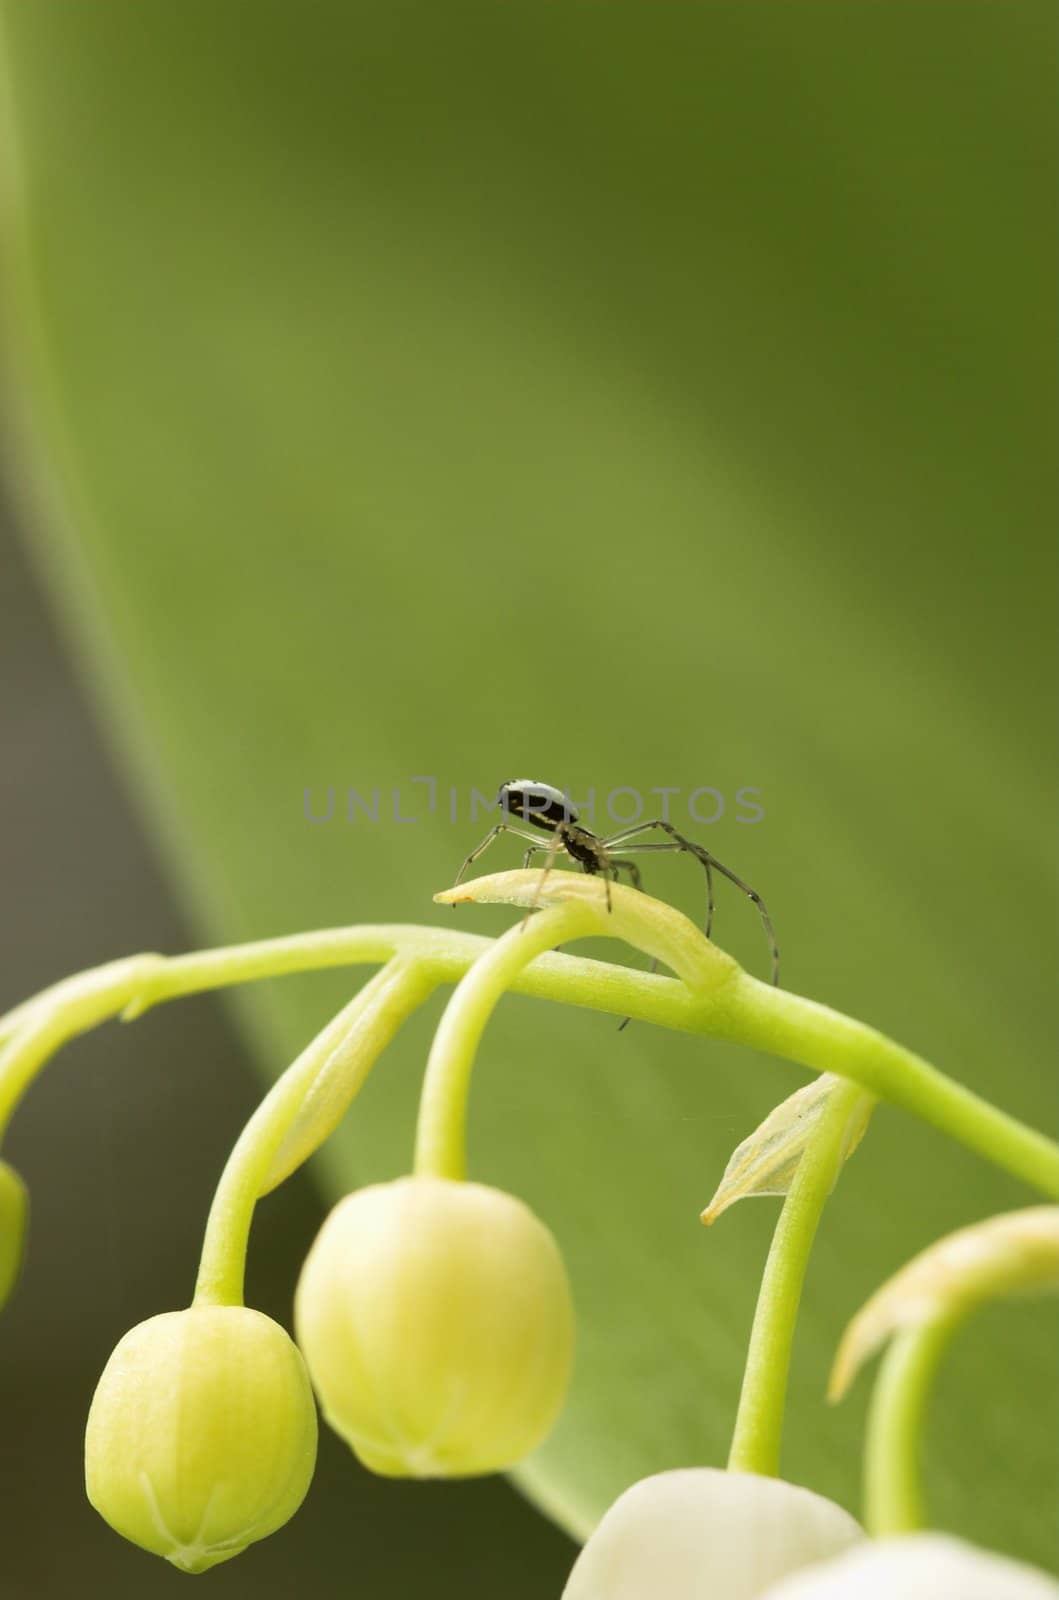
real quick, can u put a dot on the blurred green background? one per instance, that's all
(624, 395)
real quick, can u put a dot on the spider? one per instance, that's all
(548, 809)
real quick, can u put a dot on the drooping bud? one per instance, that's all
(437, 1326)
(201, 1437)
(703, 1534)
(14, 1217)
(921, 1566)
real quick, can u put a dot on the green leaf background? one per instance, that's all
(625, 395)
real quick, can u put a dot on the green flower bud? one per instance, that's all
(14, 1216)
(202, 1434)
(437, 1326)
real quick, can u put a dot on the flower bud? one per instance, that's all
(921, 1566)
(202, 1434)
(704, 1534)
(437, 1327)
(14, 1215)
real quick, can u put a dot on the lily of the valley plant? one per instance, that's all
(434, 1317)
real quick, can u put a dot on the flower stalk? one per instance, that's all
(802, 1030)
(798, 1152)
(739, 1008)
(337, 1062)
(758, 1432)
(918, 1310)
(893, 1495)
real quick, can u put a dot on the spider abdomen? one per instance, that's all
(539, 804)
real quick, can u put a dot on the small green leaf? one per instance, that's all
(766, 1162)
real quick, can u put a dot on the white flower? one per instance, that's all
(704, 1534)
(919, 1566)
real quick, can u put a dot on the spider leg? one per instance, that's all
(527, 861)
(708, 861)
(617, 864)
(553, 850)
(535, 850)
(676, 843)
(766, 920)
(500, 827)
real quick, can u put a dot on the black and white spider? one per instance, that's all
(548, 809)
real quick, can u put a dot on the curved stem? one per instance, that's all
(758, 1429)
(360, 1032)
(893, 1500)
(739, 1008)
(802, 1030)
(583, 906)
(918, 1310)
(441, 1130)
(571, 980)
(41, 1026)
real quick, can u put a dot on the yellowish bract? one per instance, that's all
(437, 1325)
(202, 1434)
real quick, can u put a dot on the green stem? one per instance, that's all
(44, 1024)
(893, 1501)
(738, 1008)
(758, 1432)
(581, 906)
(917, 1311)
(570, 980)
(441, 1131)
(789, 1025)
(357, 1036)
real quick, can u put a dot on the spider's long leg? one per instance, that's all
(498, 828)
(678, 842)
(708, 861)
(619, 864)
(535, 850)
(766, 920)
(527, 861)
(553, 850)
